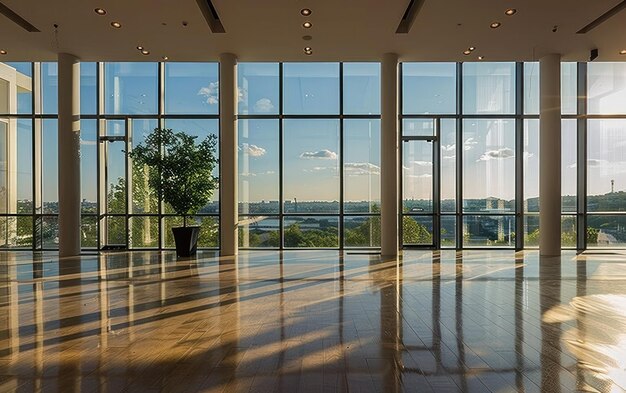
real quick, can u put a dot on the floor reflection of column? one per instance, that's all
(436, 313)
(38, 297)
(105, 321)
(131, 297)
(389, 329)
(9, 330)
(70, 320)
(549, 297)
(581, 291)
(519, 322)
(458, 315)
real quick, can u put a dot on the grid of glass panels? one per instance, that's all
(478, 184)
(309, 155)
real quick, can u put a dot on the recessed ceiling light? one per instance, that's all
(495, 25)
(140, 47)
(467, 52)
(307, 37)
(145, 52)
(165, 58)
(481, 57)
(472, 48)
(3, 52)
(305, 12)
(117, 25)
(100, 11)
(622, 52)
(307, 25)
(308, 50)
(510, 11)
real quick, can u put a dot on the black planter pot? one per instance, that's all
(186, 239)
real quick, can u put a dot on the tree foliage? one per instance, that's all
(182, 170)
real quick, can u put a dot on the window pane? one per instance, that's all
(24, 175)
(88, 166)
(88, 89)
(418, 127)
(191, 88)
(144, 232)
(568, 165)
(569, 89)
(531, 88)
(19, 74)
(447, 135)
(417, 230)
(311, 166)
(606, 85)
(606, 231)
(89, 232)
(448, 231)
(145, 200)
(50, 232)
(429, 88)
(606, 165)
(489, 88)
(130, 88)
(50, 160)
(531, 165)
(361, 166)
(312, 232)
(258, 88)
(417, 176)
(531, 231)
(258, 166)
(361, 231)
(487, 231)
(361, 88)
(116, 231)
(311, 88)
(488, 165)
(209, 231)
(568, 231)
(201, 128)
(116, 177)
(259, 231)
(49, 88)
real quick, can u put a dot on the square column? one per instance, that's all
(69, 155)
(229, 216)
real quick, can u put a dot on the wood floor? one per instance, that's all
(313, 321)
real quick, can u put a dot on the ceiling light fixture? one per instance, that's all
(510, 11)
(472, 48)
(140, 47)
(467, 52)
(308, 51)
(3, 52)
(306, 12)
(100, 11)
(307, 25)
(622, 52)
(165, 58)
(481, 57)
(495, 25)
(145, 52)
(117, 25)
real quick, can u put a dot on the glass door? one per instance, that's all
(420, 200)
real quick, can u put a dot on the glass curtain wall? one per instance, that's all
(309, 162)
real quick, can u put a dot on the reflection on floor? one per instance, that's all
(313, 321)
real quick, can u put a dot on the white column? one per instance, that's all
(228, 154)
(550, 156)
(69, 155)
(389, 156)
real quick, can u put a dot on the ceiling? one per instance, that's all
(348, 30)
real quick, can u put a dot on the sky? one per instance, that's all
(311, 147)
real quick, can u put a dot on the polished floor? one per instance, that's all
(313, 321)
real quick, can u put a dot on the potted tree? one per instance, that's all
(182, 174)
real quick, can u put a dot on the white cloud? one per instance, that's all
(423, 176)
(263, 105)
(320, 155)
(361, 168)
(499, 154)
(469, 144)
(528, 155)
(247, 174)
(452, 157)
(451, 147)
(422, 163)
(253, 150)
(211, 93)
(87, 143)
